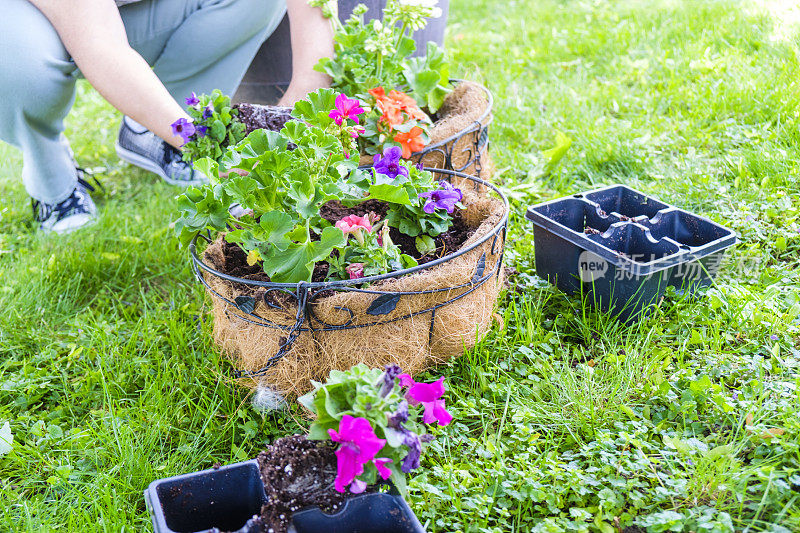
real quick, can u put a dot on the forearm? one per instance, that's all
(312, 39)
(93, 34)
(125, 79)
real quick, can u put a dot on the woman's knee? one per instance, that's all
(36, 72)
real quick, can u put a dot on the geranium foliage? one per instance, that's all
(282, 179)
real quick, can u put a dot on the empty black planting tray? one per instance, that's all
(230, 497)
(624, 248)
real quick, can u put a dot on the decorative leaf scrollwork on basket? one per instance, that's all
(384, 304)
(245, 304)
(481, 266)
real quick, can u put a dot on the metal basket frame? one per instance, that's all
(305, 293)
(479, 133)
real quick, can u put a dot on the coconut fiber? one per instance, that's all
(460, 111)
(410, 335)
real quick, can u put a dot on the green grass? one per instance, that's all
(567, 419)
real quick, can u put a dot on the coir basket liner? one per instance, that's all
(415, 318)
(460, 135)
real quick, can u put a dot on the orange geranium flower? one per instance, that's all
(408, 104)
(410, 142)
(392, 114)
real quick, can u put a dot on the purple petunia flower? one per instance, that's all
(444, 198)
(345, 108)
(201, 130)
(400, 416)
(192, 99)
(208, 111)
(389, 164)
(184, 129)
(389, 379)
(411, 461)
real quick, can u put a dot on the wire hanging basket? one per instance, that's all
(336, 319)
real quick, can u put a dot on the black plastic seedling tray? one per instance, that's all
(228, 498)
(624, 248)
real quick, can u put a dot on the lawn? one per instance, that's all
(567, 420)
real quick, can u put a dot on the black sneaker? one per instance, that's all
(77, 211)
(139, 147)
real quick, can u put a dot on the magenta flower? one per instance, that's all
(383, 470)
(389, 164)
(346, 108)
(359, 445)
(445, 198)
(184, 129)
(430, 396)
(192, 99)
(355, 270)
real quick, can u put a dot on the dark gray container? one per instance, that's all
(271, 70)
(230, 497)
(624, 248)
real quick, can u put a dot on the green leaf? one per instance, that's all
(425, 244)
(297, 262)
(389, 193)
(557, 152)
(217, 130)
(208, 167)
(398, 479)
(275, 225)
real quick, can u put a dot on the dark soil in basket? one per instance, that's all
(267, 117)
(446, 243)
(235, 259)
(297, 473)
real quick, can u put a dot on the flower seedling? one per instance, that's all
(373, 62)
(282, 179)
(213, 127)
(374, 417)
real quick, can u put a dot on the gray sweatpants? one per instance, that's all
(192, 45)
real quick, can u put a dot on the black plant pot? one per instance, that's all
(624, 248)
(271, 70)
(230, 497)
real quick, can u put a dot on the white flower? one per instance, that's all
(6, 439)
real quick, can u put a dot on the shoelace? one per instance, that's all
(42, 211)
(173, 156)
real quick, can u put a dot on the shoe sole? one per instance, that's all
(144, 163)
(89, 221)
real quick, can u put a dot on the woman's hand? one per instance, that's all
(93, 34)
(312, 39)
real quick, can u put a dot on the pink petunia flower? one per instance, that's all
(345, 108)
(354, 224)
(355, 270)
(430, 396)
(359, 445)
